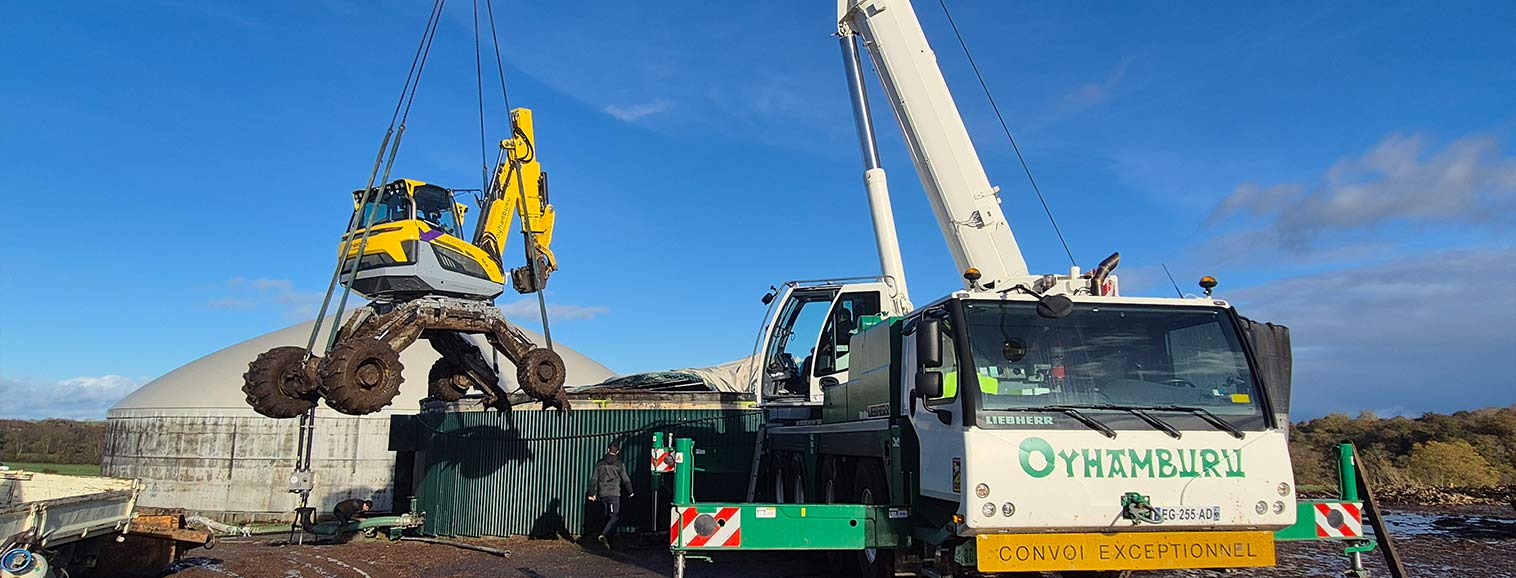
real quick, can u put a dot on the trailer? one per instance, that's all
(86, 525)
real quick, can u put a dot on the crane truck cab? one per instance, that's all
(1054, 429)
(805, 347)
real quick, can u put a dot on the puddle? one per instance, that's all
(1466, 527)
(211, 564)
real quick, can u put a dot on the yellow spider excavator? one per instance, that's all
(406, 254)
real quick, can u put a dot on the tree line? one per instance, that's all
(1467, 449)
(52, 441)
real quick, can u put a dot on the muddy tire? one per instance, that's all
(279, 384)
(540, 372)
(360, 376)
(448, 381)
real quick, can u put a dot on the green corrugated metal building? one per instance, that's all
(478, 472)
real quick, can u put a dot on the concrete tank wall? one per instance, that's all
(240, 464)
(195, 444)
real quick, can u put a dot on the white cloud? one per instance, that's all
(527, 309)
(267, 293)
(1468, 181)
(1435, 332)
(1094, 93)
(73, 398)
(634, 112)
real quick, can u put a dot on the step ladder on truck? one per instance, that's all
(1022, 423)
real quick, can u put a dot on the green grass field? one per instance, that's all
(65, 469)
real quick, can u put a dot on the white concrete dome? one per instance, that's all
(194, 442)
(213, 384)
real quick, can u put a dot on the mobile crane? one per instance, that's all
(1023, 423)
(405, 252)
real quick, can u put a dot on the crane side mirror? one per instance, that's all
(928, 383)
(929, 343)
(769, 297)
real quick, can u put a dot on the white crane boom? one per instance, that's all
(966, 206)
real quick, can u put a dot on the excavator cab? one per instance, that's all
(414, 246)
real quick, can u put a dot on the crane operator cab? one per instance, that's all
(414, 246)
(806, 344)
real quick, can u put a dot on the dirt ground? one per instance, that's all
(1471, 542)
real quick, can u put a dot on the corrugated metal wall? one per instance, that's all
(526, 472)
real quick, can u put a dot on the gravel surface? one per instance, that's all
(1469, 543)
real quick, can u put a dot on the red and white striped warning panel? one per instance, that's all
(663, 460)
(1339, 520)
(714, 528)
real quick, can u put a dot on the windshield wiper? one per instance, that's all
(1209, 417)
(1136, 410)
(1069, 410)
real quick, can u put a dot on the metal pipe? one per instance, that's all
(1347, 474)
(858, 94)
(891, 264)
(684, 471)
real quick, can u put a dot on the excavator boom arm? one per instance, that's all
(519, 189)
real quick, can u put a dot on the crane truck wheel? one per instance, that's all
(838, 562)
(279, 383)
(540, 372)
(360, 376)
(869, 487)
(448, 381)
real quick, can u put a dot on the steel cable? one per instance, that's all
(1007, 131)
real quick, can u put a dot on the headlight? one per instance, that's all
(1278, 507)
(982, 490)
(1008, 509)
(989, 509)
(1262, 507)
(1284, 488)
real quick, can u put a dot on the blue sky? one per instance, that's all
(1348, 169)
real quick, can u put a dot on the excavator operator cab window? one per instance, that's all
(434, 205)
(393, 205)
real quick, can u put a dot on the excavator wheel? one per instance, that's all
(540, 372)
(447, 381)
(360, 376)
(279, 384)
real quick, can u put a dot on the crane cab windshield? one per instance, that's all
(1140, 356)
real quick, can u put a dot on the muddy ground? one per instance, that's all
(1465, 542)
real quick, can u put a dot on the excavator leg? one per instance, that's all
(362, 373)
(461, 368)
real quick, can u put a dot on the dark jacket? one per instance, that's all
(608, 477)
(349, 509)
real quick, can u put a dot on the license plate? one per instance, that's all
(1123, 551)
(1189, 514)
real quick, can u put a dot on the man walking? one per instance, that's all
(605, 487)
